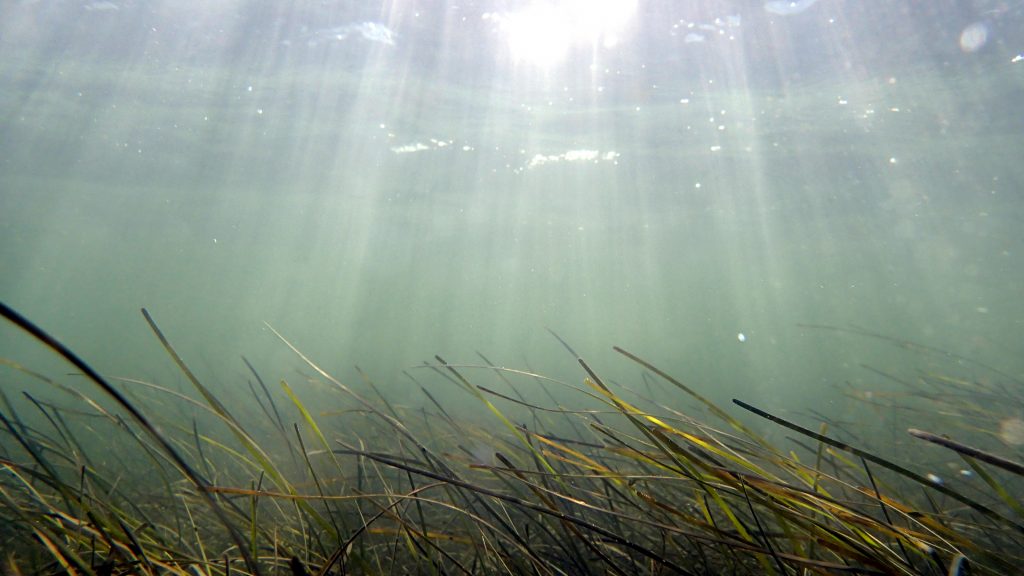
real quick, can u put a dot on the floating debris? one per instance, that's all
(699, 32)
(787, 7)
(371, 31)
(593, 156)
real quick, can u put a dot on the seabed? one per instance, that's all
(620, 484)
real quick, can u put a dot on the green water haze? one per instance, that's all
(383, 182)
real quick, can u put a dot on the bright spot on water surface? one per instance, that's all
(542, 34)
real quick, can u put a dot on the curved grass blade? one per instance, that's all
(193, 475)
(885, 464)
(987, 457)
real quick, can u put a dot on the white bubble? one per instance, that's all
(973, 37)
(741, 337)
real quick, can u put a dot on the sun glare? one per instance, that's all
(543, 33)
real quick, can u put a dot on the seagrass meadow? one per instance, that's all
(613, 483)
(511, 287)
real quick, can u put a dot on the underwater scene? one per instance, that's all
(547, 287)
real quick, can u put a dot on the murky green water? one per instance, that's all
(812, 206)
(389, 182)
